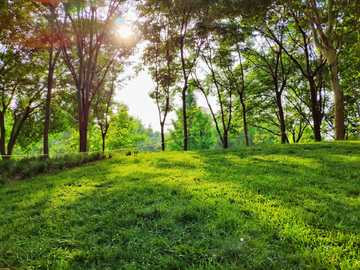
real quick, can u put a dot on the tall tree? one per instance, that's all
(326, 20)
(184, 16)
(104, 106)
(160, 56)
(48, 10)
(217, 83)
(301, 51)
(273, 67)
(92, 47)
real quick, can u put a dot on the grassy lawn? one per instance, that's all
(274, 207)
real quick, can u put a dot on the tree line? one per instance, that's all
(285, 69)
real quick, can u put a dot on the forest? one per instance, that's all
(284, 71)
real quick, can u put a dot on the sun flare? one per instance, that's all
(125, 31)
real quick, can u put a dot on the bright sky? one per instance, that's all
(135, 93)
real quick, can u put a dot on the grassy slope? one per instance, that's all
(277, 207)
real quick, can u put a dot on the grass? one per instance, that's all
(274, 207)
(14, 170)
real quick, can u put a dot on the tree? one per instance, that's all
(185, 16)
(273, 69)
(53, 44)
(200, 127)
(94, 48)
(104, 106)
(299, 48)
(326, 20)
(21, 91)
(217, 83)
(122, 133)
(160, 57)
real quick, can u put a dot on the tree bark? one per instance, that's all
(162, 136)
(225, 140)
(244, 120)
(49, 88)
(15, 133)
(325, 45)
(52, 63)
(315, 111)
(331, 57)
(103, 142)
(185, 118)
(2, 135)
(284, 138)
(84, 130)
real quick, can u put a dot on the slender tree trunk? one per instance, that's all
(244, 120)
(47, 115)
(2, 135)
(185, 118)
(162, 136)
(83, 135)
(284, 138)
(49, 86)
(315, 111)
(103, 142)
(331, 57)
(15, 133)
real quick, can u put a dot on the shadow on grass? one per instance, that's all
(232, 209)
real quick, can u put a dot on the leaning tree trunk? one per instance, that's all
(2, 136)
(331, 57)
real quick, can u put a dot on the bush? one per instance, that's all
(28, 167)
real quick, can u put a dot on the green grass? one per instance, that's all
(275, 207)
(14, 170)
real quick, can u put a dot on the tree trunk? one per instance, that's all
(244, 120)
(103, 142)
(47, 111)
(331, 57)
(162, 136)
(284, 138)
(185, 119)
(83, 129)
(315, 110)
(225, 140)
(49, 86)
(2, 136)
(83, 135)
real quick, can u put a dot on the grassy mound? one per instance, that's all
(275, 207)
(14, 170)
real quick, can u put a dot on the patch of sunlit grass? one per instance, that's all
(275, 207)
